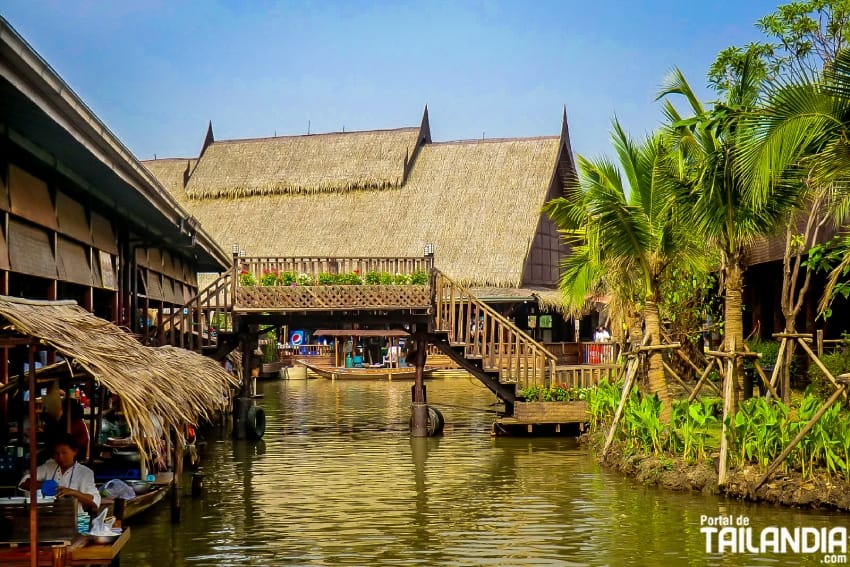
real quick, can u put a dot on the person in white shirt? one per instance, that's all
(74, 479)
(601, 335)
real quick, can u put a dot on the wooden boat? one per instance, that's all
(124, 509)
(365, 373)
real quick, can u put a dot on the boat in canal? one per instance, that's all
(366, 372)
(364, 354)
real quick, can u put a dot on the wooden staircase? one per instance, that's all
(485, 343)
(478, 338)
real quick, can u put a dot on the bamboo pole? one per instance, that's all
(764, 379)
(811, 423)
(627, 387)
(633, 364)
(703, 380)
(819, 364)
(676, 376)
(780, 357)
(727, 404)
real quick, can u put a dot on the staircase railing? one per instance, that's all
(198, 323)
(487, 335)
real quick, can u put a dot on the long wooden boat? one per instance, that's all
(365, 373)
(124, 509)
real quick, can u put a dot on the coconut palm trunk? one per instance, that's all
(734, 324)
(655, 374)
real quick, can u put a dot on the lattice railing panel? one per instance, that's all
(337, 297)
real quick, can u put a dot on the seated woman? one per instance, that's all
(74, 479)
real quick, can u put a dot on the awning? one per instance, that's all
(160, 388)
(361, 333)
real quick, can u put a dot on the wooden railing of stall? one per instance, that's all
(313, 266)
(197, 323)
(487, 335)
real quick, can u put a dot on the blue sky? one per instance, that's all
(157, 71)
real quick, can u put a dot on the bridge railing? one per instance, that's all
(487, 335)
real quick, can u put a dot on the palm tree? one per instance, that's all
(624, 231)
(728, 208)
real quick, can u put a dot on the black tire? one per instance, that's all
(255, 423)
(436, 421)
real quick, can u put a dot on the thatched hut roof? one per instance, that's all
(172, 174)
(341, 161)
(478, 202)
(175, 385)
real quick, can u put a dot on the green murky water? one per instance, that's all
(338, 481)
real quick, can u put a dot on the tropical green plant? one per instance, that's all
(602, 402)
(692, 428)
(623, 223)
(642, 425)
(554, 393)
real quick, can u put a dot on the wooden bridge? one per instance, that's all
(440, 312)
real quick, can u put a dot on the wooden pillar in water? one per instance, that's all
(177, 488)
(419, 427)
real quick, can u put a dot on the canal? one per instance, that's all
(338, 481)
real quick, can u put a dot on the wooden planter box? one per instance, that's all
(551, 412)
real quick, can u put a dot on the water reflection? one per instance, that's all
(338, 481)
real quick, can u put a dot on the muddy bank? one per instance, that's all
(788, 489)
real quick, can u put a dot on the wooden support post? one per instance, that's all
(811, 423)
(819, 336)
(59, 555)
(33, 464)
(703, 380)
(780, 356)
(177, 488)
(728, 389)
(672, 373)
(419, 426)
(763, 377)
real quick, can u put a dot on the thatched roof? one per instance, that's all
(171, 174)
(341, 161)
(175, 385)
(478, 202)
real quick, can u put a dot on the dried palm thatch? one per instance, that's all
(477, 202)
(160, 388)
(374, 159)
(171, 173)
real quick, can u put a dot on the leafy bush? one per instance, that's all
(554, 393)
(269, 278)
(419, 277)
(837, 362)
(247, 278)
(769, 352)
(287, 278)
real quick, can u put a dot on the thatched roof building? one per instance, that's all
(384, 193)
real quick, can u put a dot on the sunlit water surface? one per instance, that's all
(337, 480)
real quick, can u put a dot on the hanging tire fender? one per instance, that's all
(255, 423)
